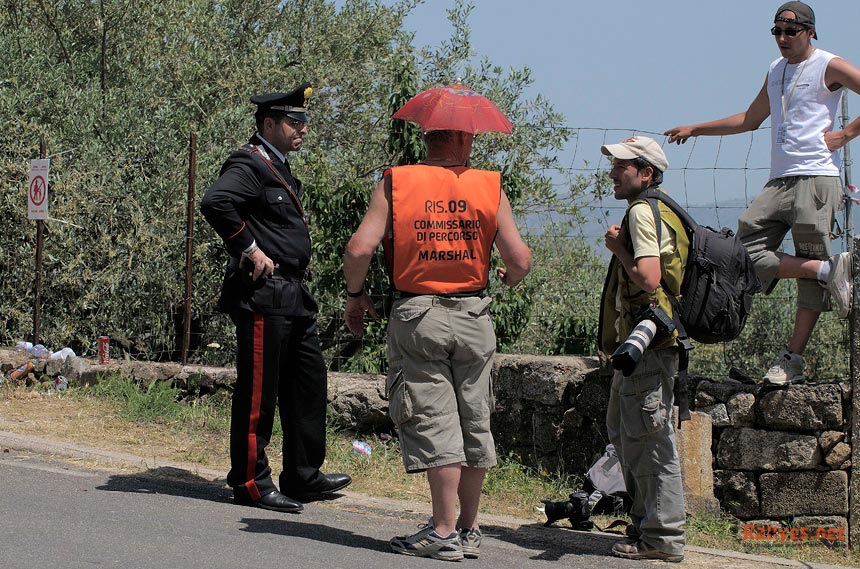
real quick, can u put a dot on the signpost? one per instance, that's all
(37, 192)
(37, 208)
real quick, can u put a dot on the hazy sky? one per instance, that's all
(649, 66)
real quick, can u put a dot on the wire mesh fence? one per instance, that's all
(714, 178)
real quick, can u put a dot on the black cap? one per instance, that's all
(294, 103)
(803, 15)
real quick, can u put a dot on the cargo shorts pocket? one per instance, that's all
(644, 413)
(406, 312)
(480, 307)
(399, 400)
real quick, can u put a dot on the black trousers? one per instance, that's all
(279, 363)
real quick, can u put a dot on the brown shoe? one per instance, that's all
(641, 550)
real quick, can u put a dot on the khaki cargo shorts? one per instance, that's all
(806, 206)
(439, 395)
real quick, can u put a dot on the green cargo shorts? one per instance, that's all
(439, 394)
(806, 206)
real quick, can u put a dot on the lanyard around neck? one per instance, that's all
(786, 103)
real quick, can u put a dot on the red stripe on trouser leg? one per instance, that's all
(256, 397)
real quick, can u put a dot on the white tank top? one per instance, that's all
(797, 139)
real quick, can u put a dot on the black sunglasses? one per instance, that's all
(790, 32)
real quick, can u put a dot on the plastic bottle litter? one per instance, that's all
(20, 374)
(62, 354)
(24, 346)
(62, 383)
(38, 351)
(360, 447)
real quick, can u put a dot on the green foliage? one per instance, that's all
(404, 138)
(156, 402)
(117, 89)
(767, 330)
(559, 300)
(511, 476)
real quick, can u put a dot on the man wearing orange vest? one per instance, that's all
(439, 221)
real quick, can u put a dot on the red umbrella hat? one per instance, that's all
(454, 107)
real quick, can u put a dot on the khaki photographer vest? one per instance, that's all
(633, 298)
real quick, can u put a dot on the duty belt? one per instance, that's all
(287, 274)
(291, 275)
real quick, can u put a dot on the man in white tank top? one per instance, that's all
(801, 94)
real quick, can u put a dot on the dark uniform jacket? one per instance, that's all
(256, 198)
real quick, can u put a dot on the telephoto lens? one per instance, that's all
(629, 353)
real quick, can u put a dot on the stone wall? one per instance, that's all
(765, 453)
(780, 454)
(550, 411)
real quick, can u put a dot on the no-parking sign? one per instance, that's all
(37, 189)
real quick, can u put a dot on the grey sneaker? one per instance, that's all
(641, 550)
(787, 368)
(839, 283)
(471, 541)
(428, 543)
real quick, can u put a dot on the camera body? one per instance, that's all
(577, 509)
(651, 322)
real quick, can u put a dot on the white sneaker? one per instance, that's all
(787, 368)
(839, 283)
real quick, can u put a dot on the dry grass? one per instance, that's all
(94, 422)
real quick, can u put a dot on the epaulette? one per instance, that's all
(258, 149)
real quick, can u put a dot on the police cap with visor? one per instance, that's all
(294, 104)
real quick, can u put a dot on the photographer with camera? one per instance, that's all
(636, 327)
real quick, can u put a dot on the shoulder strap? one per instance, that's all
(684, 345)
(689, 222)
(255, 151)
(658, 223)
(615, 524)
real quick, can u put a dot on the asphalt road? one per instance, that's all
(56, 514)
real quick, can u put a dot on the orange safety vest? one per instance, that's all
(443, 228)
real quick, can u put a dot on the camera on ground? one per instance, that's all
(576, 509)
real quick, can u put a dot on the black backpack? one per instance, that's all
(719, 279)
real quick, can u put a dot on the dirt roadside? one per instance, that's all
(60, 428)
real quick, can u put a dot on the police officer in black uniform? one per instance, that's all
(255, 207)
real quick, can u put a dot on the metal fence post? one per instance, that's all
(846, 171)
(189, 242)
(854, 419)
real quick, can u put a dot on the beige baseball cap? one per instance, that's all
(638, 147)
